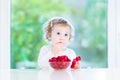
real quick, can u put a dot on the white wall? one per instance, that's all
(4, 34)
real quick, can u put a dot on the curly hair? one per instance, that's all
(56, 21)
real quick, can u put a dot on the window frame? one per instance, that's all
(113, 34)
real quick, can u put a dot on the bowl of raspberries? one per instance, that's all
(59, 62)
(62, 62)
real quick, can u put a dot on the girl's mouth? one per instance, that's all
(60, 42)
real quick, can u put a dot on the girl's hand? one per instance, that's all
(77, 65)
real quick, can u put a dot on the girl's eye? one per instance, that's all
(58, 33)
(66, 34)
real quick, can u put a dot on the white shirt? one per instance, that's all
(45, 54)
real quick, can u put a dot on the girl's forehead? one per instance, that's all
(62, 27)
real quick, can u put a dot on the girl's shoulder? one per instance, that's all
(45, 47)
(70, 53)
(70, 50)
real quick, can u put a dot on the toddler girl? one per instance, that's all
(58, 32)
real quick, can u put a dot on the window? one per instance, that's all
(88, 18)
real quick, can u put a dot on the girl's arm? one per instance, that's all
(43, 57)
(77, 63)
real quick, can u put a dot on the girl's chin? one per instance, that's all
(60, 45)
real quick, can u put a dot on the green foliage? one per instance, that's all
(28, 17)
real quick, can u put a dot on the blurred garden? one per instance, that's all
(89, 18)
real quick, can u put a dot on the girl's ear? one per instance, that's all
(49, 38)
(70, 37)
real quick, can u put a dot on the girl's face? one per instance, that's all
(60, 35)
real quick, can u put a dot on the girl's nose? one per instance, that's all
(61, 37)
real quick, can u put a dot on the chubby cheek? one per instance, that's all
(53, 37)
(67, 41)
(54, 40)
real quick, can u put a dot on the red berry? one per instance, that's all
(73, 63)
(50, 60)
(78, 58)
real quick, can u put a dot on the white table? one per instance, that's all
(82, 74)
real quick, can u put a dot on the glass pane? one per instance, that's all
(89, 18)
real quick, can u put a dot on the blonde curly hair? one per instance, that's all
(56, 21)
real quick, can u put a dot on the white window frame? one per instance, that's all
(4, 34)
(118, 32)
(5, 39)
(113, 34)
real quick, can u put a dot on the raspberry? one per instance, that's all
(73, 63)
(78, 58)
